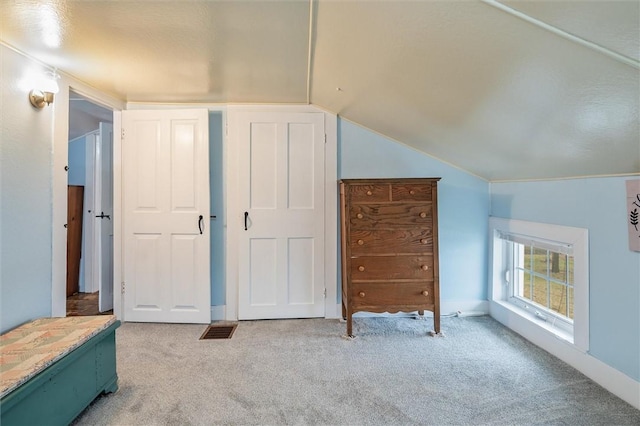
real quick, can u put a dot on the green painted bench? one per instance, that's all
(51, 369)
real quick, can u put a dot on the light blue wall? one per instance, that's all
(25, 198)
(216, 185)
(463, 204)
(77, 160)
(599, 205)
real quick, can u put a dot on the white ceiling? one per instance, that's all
(85, 116)
(500, 93)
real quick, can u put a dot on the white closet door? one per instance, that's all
(281, 193)
(166, 216)
(104, 248)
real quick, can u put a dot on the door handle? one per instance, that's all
(246, 216)
(103, 216)
(200, 223)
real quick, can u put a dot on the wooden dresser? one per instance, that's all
(389, 247)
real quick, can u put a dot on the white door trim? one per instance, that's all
(331, 217)
(117, 214)
(104, 241)
(234, 215)
(59, 177)
(89, 252)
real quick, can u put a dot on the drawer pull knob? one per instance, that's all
(360, 242)
(412, 192)
(359, 216)
(423, 214)
(361, 294)
(425, 267)
(423, 241)
(369, 193)
(361, 268)
(425, 293)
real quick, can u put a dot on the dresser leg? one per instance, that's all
(349, 323)
(436, 320)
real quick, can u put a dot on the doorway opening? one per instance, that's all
(89, 208)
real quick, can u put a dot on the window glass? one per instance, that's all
(570, 271)
(570, 298)
(558, 298)
(526, 287)
(528, 255)
(540, 288)
(540, 261)
(540, 273)
(543, 278)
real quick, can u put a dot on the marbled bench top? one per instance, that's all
(30, 348)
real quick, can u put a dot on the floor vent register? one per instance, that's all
(219, 331)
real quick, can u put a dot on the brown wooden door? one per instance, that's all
(75, 196)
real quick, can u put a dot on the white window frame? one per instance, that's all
(502, 260)
(516, 271)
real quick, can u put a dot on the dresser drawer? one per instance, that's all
(411, 192)
(392, 294)
(413, 240)
(369, 193)
(400, 215)
(392, 268)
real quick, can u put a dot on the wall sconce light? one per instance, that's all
(46, 89)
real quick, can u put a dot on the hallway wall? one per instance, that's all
(25, 196)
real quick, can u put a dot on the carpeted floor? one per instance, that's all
(305, 372)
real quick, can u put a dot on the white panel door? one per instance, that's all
(89, 283)
(166, 216)
(104, 215)
(281, 193)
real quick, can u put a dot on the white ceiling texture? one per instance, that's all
(505, 90)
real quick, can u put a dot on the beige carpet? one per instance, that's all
(304, 372)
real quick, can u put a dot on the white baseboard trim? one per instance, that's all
(447, 307)
(218, 313)
(606, 376)
(468, 307)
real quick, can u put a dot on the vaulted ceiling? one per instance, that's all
(505, 90)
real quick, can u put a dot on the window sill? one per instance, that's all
(532, 320)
